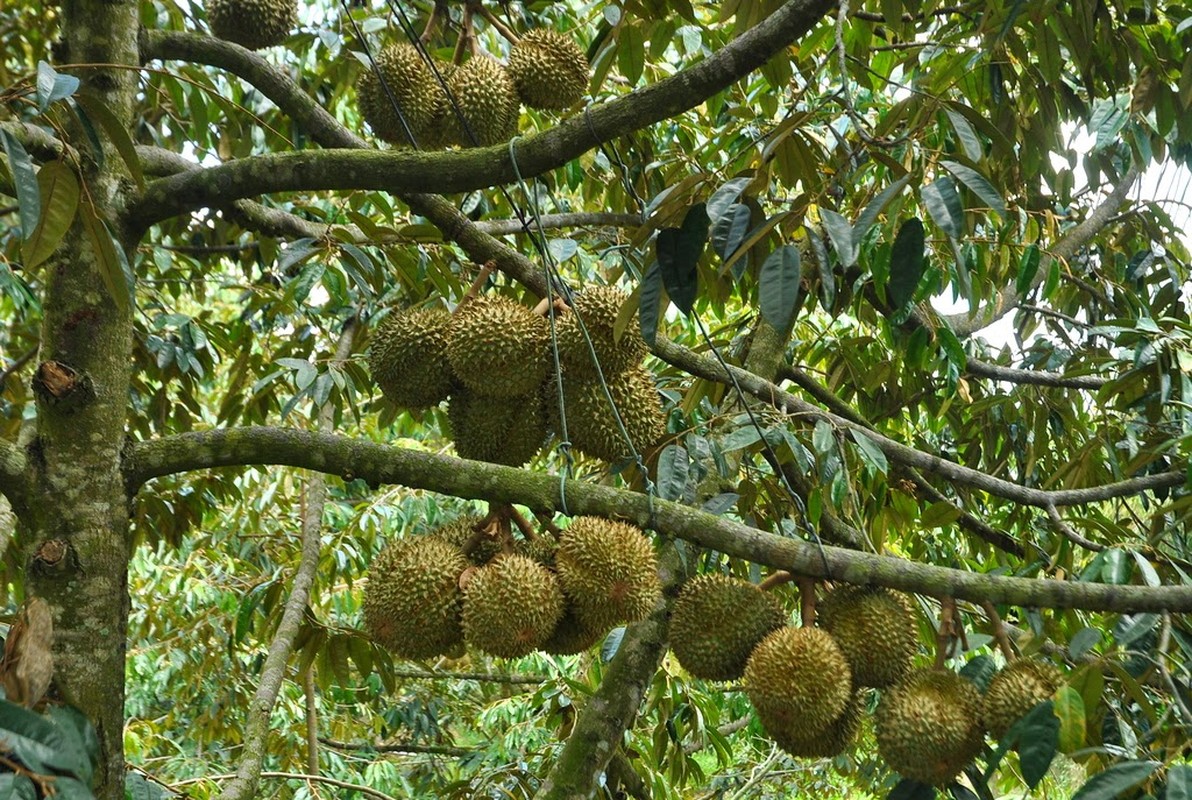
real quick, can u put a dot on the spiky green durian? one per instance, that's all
(572, 635)
(598, 307)
(798, 682)
(252, 23)
(608, 570)
(412, 601)
(408, 357)
(402, 80)
(875, 628)
(832, 741)
(1019, 687)
(716, 622)
(511, 606)
(592, 426)
(486, 100)
(500, 430)
(542, 550)
(461, 531)
(549, 69)
(929, 725)
(498, 347)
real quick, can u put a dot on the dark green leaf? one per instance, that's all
(959, 792)
(51, 85)
(92, 109)
(60, 194)
(979, 186)
(908, 789)
(678, 251)
(631, 51)
(953, 349)
(39, 744)
(1038, 741)
(724, 198)
(612, 643)
(720, 503)
(827, 278)
(1113, 782)
(650, 308)
(1179, 782)
(137, 788)
(673, 468)
(741, 437)
(840, 232)
(778, 285)
(906, 263)
(980, 671)
(1132, 628)
(71, 789)
(1028, 267)
(1116, 566)
(943, 204)
(730, 229)
(28, 194)
(298, 251)
(871, 454)
(1084, 640)
(969, 140)
(108, 256)
(876, 206)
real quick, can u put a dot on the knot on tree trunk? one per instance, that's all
(62, 386)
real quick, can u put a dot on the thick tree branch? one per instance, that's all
(40, 143)
(1071, 243)
(13, 477)
(413, 749)
(408, 172)
(483, 677)
(578, 219)
(379, 464)
(1032, 377)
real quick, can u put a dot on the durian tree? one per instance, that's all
(356, 254)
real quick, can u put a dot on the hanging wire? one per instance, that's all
(372, 65)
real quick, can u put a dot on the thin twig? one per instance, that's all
(15, 366)
(1069, 533)
(489, 677)
(414, 749)
(1161, 661)
(999, 630)
(312, 719)
(289, 776)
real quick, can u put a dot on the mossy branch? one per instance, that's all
(411, 172)
(12, 472)
(376, 463)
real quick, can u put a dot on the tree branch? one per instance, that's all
(379, 464)
(1071, 243)
(416, 749)
(485, 677)
(256, 735)
(408, 172)
(13, 478)
(291, 776)
(1032, 377)
(40, 144)
(579, 219)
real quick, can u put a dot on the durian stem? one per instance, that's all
(466, 36)
(500, 27)
(999, 631)
(479, 532)
(486, 269)
(561, 306)
(523, 524)
(548, 524)
(945, 636)
(437, 13)
(807, 601)
(776, 579)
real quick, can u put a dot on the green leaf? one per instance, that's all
(673, 468)
(137, 788)
(39, 744)
(94, 109)
(724, 198)
(1116, 567)
(943, 204)
(981, 187)
(966, 135)
(1038, 741)
(840, 233)
(827, 278)
(612, 643)
(631, 51)
(1113, 782)
(778, 285)
(28, 194)
(1084, 640)
(823, 438)
(870, 452)
(741, 437)
(1179, 782)
(979, 671)
(1028, 267)
(730, 229)
(108, 257)
(720, 503)
(650, 308)
(906, 263)
(51, 85)
(1149, 576)
(876, 206)
(59, 190)
(1132, 628)
(71, 789)
(1069, 710)
(678, 251)
(953, 349)
(939, 514)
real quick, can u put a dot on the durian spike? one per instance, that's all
(486, 269)
(437, 14)
(777, 579)
(500, 27)
(999, 631)
(945, 639)
(807, 601)
(523, 524)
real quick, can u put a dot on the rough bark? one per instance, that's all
(380, 464)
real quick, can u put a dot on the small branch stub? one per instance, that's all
(60, 385)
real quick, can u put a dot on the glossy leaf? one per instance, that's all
(840, 232)
(1069, 710)
(678, 251)
(876, 207)
(871, 454)
(724, 199)
(966, 135)
(906, 263)
(673, 468)
(730, 229)
(979, 186)
(1038, 741)
(944, 206)
(1116, 780)
(650, 310)
(28, 193)
(52, 85)
(94, 110)
(1028, 267)
(778, 286)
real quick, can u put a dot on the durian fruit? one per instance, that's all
(608, 570)
(542, 550)
(929, 725)
(498, 347)
(485, 98)
(408, 357)
(832, 741)
(798, 682)
(412, 601)
(592, 427)
(549, 69)
(414, 88)
(875, 628)
(572, 635)
(461, 531)
(511, 606)
(1019, 687)
(598, 307)
(716, 622)
(252, 23)
(500, 430)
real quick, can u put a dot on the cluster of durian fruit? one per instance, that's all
(470, 583)
(809, 685)
(473, 104)
(493, 360)
(254, 24)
